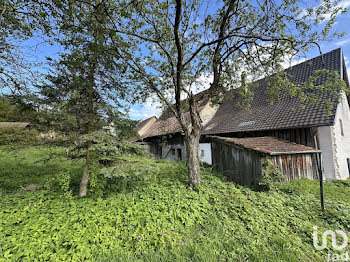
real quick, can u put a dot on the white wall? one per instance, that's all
(205, 152)
(342, 151)
(204, 148)
(170, 155)
(326, 140)
(335, 146)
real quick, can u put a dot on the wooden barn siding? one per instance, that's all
(238, 165)
(244, 166)
(296, 166)
(303, 136)
(156, 150)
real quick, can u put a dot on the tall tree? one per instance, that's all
(88, 78)
(176, 43)
(21, 20)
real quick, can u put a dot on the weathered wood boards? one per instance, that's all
(244, 165)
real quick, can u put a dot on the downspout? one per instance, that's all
(320, 172)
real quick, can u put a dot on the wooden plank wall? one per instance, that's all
(296, 166)
(156, 150)
(244, 166)
(238, 165)
(303, 136)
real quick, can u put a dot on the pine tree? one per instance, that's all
(87, 82)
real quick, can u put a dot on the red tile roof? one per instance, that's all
(162, 127)
(167, 122)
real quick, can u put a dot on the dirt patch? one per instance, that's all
(31, 187)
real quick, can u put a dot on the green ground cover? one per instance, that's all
(148, 214)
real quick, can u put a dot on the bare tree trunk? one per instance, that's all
(192, 137)
(193, 127)
(193, 166)
(85, 176)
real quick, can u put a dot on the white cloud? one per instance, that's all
(293, 61)
(345, 4)
(202, 83)
(343, 42)
(151, 107)
(327, 17)
(347, 63)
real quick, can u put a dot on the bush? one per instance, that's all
(60, 182)
(105, 149)
(15, 135)
(271, 176)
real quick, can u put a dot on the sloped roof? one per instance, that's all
(162, 127)
(284, 114)
(14, 124)
(144, 125)
(268, 145)
(167, 122)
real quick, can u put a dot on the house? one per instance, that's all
(164, 138)
(309, 125)
(144, 125)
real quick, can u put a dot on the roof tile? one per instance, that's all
(268, 145)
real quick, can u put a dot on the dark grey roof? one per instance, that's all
(284, 114)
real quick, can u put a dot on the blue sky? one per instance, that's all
(148, 109)
(40, 50)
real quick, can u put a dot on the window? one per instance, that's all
(341, 127)
(173, 151)
(179, 154)
(348, 159)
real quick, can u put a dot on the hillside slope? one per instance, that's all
(147, 213)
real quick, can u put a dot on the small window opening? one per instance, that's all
(341, 127)
(179, 154)
(348, 159)
(173, 151)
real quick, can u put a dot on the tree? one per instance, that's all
(87, 83)
(15, 109)
(6, 110)
(21, 20)
(176, 43)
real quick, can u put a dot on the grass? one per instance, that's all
(22, 165)
(147, 213)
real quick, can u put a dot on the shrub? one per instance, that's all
(271, 175)
(105, 149)
(60, 182)
(15, 135)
